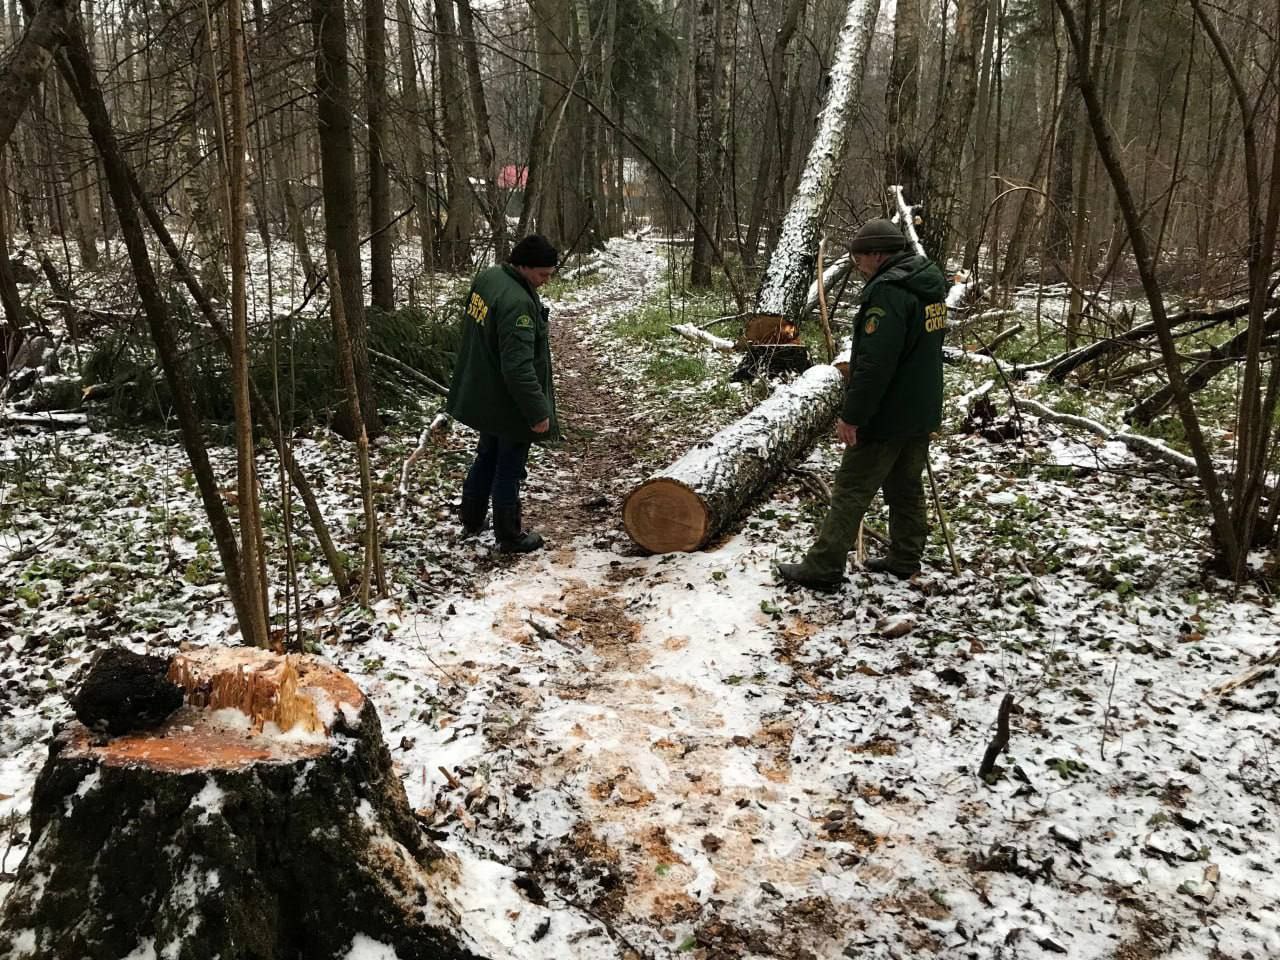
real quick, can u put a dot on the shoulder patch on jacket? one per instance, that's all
(872, 320)
(524, 321)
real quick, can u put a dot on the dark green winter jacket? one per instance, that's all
(502, 378)
(895, 376)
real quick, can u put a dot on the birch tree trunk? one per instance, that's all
(682, 507)
(786, 280)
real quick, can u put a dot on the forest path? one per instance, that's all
(596, 456)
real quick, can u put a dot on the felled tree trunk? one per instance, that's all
(262, 820)
(680, 508)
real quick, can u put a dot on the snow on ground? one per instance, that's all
(666, 756)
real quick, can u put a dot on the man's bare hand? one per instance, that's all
(542, 426)
(848, 434)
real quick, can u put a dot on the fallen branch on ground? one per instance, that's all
(698, 335)
(410, 372)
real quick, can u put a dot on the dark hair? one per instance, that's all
(534, 250)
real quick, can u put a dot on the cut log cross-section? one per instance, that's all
(262, 819)
(682, 507)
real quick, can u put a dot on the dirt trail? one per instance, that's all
(586, 491)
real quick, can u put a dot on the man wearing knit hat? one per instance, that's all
(502, 387)
(891, 405)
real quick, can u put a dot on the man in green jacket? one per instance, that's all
(892, 404)
(502, 387)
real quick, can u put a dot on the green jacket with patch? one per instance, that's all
(895, 376)
(502, 378)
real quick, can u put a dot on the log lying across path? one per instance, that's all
(680, 508)
(261, 819)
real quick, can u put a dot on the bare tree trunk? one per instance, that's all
(975, 207)
(252, 552)
(81, 191)
(381, 280)
(1223, 529)
(9, 297)
(25, 66)
(776, 78)
(952, 128)
(706, 184)
(338, 173)
(494, 211)
(455, 239)
(417, 157)
(77, 69)
(902, 102)
(1057, 246)
(1254, 418)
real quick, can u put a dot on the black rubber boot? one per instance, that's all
(797, 573)
(509, 531)
(885, 565)
(474, 514)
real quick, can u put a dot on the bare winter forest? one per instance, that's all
(234, 246)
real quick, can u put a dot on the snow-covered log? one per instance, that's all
(1147, 447)
(684, 505)
(264, 818)
(832, 274)
(962, 403)
(787, 277)
(695, 333)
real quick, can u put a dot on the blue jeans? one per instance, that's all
(497, 471)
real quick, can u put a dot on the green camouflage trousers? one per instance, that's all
(894, 466)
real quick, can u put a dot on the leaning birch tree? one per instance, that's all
(784, 289)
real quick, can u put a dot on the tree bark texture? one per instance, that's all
(682, 507)
(341, 211)
(786, 280)
(706, 183)
(381, 279)
(203, 839)
(417, 156)
(952, 129)
(76, 67)
(455, 238)
(901, 101)
(25, 66)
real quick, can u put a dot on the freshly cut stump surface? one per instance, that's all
(262, 820)
(682, 507)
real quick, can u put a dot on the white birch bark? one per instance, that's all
(786, 279)
(681, 507)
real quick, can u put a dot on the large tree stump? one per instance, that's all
(680, 508)
(261, 821)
